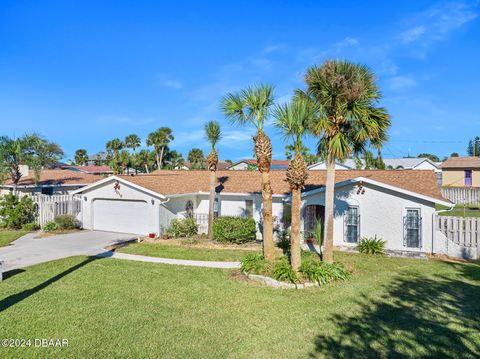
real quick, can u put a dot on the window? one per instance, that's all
(352, 225)
(47, 190)
(468, 178)
(248, 208)
(412, 223)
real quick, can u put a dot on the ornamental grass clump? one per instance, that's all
(253, 263)
(322, 272)
(372, 245)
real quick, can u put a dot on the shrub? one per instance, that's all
(253, 263)
(234, 229)
(371, 245)
(66, 221)
(30, 227)
(283, 271)
(50, 226)
(185, 227)
(283, 241)
(323, 273)
(16, 212)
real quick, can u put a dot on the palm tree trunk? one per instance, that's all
(329, 207)
(268, 244)
(161, 158)
(295, 230)
(211, 204)
(146, 168)
(157, 156)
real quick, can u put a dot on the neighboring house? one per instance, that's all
(96, 170)
(246, 164)
(397, 206)
(222, 165)
(411, 163)
(97, 159)
(461, 172)
(51, 182)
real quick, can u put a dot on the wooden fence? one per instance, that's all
(50, 207)
(462, 195)
(464, 231)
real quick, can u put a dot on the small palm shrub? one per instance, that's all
(372, 245)
(50, 226)
(283, 271)
(180, 228)
(234, 229)
(30, 227)
(253, 263)
(66, 222)
(322, 272)
(283, 241)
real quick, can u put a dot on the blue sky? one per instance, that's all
(82, 73)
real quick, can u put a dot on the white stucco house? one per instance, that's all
(397, 206)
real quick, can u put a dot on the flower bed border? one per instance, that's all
(278, 284)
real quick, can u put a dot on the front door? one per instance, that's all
(314, 213)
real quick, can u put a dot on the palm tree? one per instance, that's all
(124, 160)
(175, 160)
(81, 157)
(132, 141)
(159, 140)
(213, 134)
(114, 146)
(351, 120)
(294, 121)
(143, 157)
(196, 158)
(251, 106)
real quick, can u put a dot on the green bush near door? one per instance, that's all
(234, 229)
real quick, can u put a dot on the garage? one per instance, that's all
(119, 215)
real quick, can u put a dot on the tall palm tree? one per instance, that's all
(124, 160)
(114, 146)
(251, 106)
(132, 141)
(351, 120)
(143, 157)
(196, 158)
(294, 121)
(175, 160)
(159, 140)
(213, 134)
(81, 157)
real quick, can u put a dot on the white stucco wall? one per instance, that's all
(425, 165)
(381, 213)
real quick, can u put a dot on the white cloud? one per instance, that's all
(272, 48)
(346, 42)
(401, 83)
(174, 84)
(412, 34)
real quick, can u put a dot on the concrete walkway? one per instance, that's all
(28, 250)
(182, 262)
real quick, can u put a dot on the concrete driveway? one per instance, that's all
(27, 250)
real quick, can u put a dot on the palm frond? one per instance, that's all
(213, 133)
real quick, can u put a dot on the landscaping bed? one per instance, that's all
(111, 308)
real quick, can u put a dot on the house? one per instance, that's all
(91, 169)
(410, 163)
(221, 165)
(461, 172)
(51, 182)
(397, 206)
(252, 163)
(97, 159)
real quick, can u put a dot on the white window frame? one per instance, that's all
(346, 225)
(405, 229)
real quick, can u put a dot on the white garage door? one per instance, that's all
(122, 216)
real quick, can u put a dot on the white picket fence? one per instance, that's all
(50, 207)
(464, 231)
(462, 195)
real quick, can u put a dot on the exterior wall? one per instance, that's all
(240, 166)
(381, 213)
(425, 165)
(126, 192)
(456, 177)
(323, 166)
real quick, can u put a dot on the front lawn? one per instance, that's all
(184, 252)
(460, 211)
(7, 237)
(106, 308)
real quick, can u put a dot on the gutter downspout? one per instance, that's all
(434, 223)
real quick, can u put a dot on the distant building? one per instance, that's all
(99, 158)
(411, 163)
(461, 172)
(245, 164)
(97, 170)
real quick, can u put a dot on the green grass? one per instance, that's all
(7, 237)
(185, 252)
(458, 211)
(108, 308)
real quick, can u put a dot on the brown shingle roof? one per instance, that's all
(462, 162)
(180, 182)
(58, 177)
